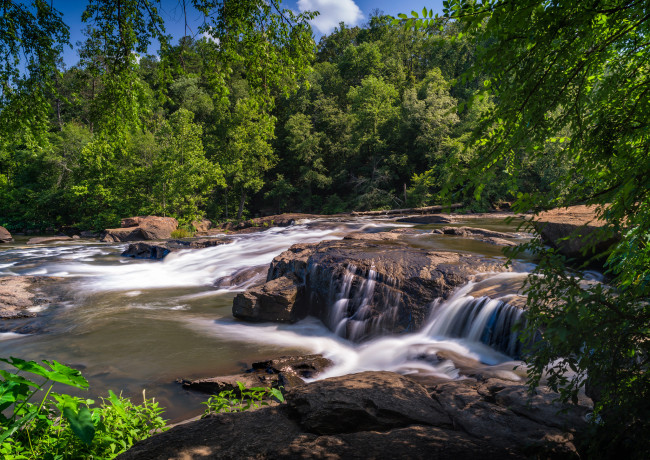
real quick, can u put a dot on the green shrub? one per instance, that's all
(182, 233)
(60, 426)
(242, 400)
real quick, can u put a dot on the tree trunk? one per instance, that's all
(242, 200)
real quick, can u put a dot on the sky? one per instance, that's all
(352, 12)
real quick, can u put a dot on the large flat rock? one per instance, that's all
(20, 293)
(141, 228)
(575, 231)
(382, 415)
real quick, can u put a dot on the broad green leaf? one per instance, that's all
(81, 423)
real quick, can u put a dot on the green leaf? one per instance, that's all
(81, 423)
(424, 12)
(414, 14)
(402, 16)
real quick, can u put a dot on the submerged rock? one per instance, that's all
(5, 236)
(160, 250)
(141, 228)
(428, 219)
(364, 287)
(383, 415)
(48, 239)
(245, 278)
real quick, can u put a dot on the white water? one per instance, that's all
(186, 268)
(406, 353)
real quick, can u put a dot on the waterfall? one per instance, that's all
(485, 320)
(365, 306)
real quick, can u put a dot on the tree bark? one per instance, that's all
(242, 200)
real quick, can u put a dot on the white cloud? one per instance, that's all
(331, 13)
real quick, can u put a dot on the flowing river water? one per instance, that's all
(141, 324)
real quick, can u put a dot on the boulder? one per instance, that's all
(276, 300)
(381, 286)
(141, 228)
(382, 415)
(158, 251)
(574, 230)
(48, 239)
(5, 236)
(89, 234)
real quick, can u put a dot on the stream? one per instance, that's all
(132, 324)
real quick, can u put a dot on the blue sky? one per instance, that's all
(352, 12)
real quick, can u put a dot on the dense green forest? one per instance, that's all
(368, 118)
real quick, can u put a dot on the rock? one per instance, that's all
(370, 401)
(141, 228)
(89, 234)
(48, 239)
(273, 301)
(381, 415)
(428, 219)
(480, 234)
(245, 278)
(202, 226)
(146, 251)
(76, 237)
(20, 293)
(286, 372)
(158, 251)
(5, 236)
(403, 283)
(575, 229)
(394, 234)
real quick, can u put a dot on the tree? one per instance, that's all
(581, 68)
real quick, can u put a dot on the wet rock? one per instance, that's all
(146, 251)
(481, 234)
(403, 283)
(158, 251)
(286, 372)
(141, 228)
(5, 236)
(276, 300)
(575, 229)
(428, 219)
(247, 278)
(20, 293)
(48, 239)
(89, 234)
(382, 415)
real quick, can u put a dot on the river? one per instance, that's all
(132, 324)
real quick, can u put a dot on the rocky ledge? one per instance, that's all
(573, 229)
(366, 287)
(141, 228)
(159, 250)
(383, 415)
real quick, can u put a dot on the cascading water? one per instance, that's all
(351, 311)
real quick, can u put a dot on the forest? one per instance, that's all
(370, 118)
(527, 104)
